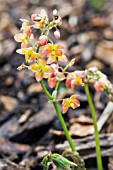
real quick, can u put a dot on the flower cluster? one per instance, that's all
(100, 81)
(43, 58)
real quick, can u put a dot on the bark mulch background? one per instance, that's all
(29, 128)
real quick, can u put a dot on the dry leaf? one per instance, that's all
(78, 129)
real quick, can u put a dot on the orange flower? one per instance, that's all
(75, 78)
(101, 84)
(70, 102)
(25, 27)
(40, 19)
(40, 69)
(54, 53)
(55, 75)
(26, 36)
(30, 55)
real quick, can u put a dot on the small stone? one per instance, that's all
(98, 22)
(65, 10)
(93, 36)
(104, 51)
(73, 21)
(76, 49)
(20, 95)
(6, 68)
(96, 63)
(6, 49)
(9, 81)
(9, 103)
(24, 116)
(87, 53)
(71, 41)
(83, 38)
(108, 33)
(36, 87)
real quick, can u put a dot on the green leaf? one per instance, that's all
(45, 163)
(57, 165)
(59, 161)
(62, 162)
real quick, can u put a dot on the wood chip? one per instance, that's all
(95, 63)
(9, 103)
(25, 116)
(105, 115)
(81, 130)
(98, 22)
(36, 87)
(104, 51)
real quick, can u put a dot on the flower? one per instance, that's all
(25, 27)
(55, 75)
(92, 75)
(29, 54)
(55, 12)
(58, 21)
(75, 78)
(42, 40)
(101, 84)
(70, 102)
(20, 37)
(54, 53)
(21, 66)
(40, 69)
(57, 34)
(26, 34)
(40, 19)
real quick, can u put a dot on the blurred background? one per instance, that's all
(28, 126)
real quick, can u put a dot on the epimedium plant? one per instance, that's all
(42, 57)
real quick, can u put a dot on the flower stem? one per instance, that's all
(92, 109)
(64, 127)
(47, 27)
(68, 137)
(46, 91)
(37, 49)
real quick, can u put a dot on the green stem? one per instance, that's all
(45, 90)
(57, 85)
(64, 127)
(68, 137)
(47, 28)
(98, 150)
(37, 50)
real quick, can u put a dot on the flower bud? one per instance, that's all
(35, 18)
(72, 62)
(57, 34)
(58, 21)
(42, 40)
(21, 67)
(55, 13)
